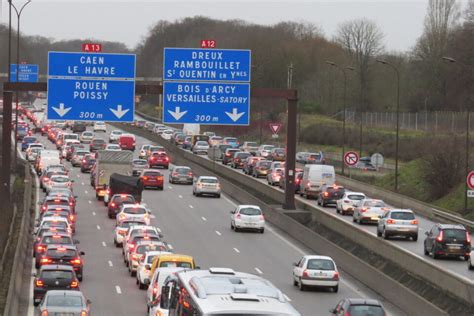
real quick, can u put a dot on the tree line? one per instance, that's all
(427, 81)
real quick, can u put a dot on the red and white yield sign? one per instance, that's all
(470, 180)
(275, 127)
(351, 158)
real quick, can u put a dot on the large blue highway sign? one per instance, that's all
(188, 64)
(206, 103)
(27, 73)
(91, 87)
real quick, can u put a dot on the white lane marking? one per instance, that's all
(78, 176)
(218, 233)
(111, 264)
(203, 218)
(98, 227)
(190, 206)
(82, 183)
(31, 308)
(104, 244)
(180, 196)
(258, 270)
(170, 187)
(90, 202)
(93, 213)
(236, 250)
(118, 289)
(287, 298)
(86, 192)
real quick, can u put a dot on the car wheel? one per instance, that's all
(433, 253)
(80, 278)
(335, 288)
(36, 303)
(354, 219)
(425, 251)
(318, 202)
(384, 234)
(414, 237)
(337, 210)
(469, 264)
(467, 258)
(262, 230)
(110, 216)
(301, 286)
(218, 196)
(379, 234)
(133, 273)
(231, 226)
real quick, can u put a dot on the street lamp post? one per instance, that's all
(468, 110)
(344, 108)
(18, 14)
(398, 118)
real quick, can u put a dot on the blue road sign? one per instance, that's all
(28, 73)
(206, 103)
(189, 64)
(91, 87)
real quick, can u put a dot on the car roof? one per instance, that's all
(451, 226)
(62, 234)
(318, 257)
(363, 301)
(400, 210)
(64, 293)
(56, 267)
(207, 177)
(353, 192)
(248, 206)
(176, 256)
(70, 247)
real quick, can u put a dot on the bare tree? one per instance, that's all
(469, 14)
(362, 40)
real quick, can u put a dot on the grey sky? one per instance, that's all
(129, 21)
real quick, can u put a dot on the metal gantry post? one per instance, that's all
(6, 146)
(291, 153)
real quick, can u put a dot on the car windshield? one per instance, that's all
(403, 215)
(113, 146)
(140, 162)
(61, 252)
(366, 310)
(60, 240)
(54, 224)
(56, 274)
(98, 141)
(150, 247)
(250, 211)
(130, 224)
(150, 259)
(279, 151)
(175, 264)
(87, 134)
(182, 170)
(155, 148)
(60, 179)
(243, 155)
(134, 210)
(265, 164)
(355, 197)
(208, 180)
(252, 144)
(202, 143)
(127, 199)
(458, 234)
(152, 174)
(374, 203)
(116, 132)
(64, 301)
(321, 264)
(269, 147)
(231, 140)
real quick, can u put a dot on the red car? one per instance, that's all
(152, 178)
(127, 142)
(159, 159)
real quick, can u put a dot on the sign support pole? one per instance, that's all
(6, 146)
(291, 153)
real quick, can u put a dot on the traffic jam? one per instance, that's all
(119, 171)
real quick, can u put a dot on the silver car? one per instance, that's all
(398, 222)
(64, 302)
(207, 185)
(369, 211)
(201, 147)
(138, 165)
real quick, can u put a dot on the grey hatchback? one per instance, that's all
(57, 302)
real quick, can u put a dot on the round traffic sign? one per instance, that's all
(351, 158)
(470, 180)
(377, 160)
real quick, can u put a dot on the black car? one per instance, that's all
(97, 144)
(117, 201)
(78, 127)
(229, 155)
(64, 254)
(448, 241)
(87, 162)
(239, 158)
(181, 174)
(53, 277)
(358, 306)
(330, 194)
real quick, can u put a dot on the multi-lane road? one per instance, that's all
(199, 227)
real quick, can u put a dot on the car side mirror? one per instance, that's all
(89, 302)
(295, 264)
(76, 242)
(232, 212)
(165, 301)
(75, 196)
(39, 203)
(333, 311)
(82, 253)
(146, 281)
(33, 274)
(427, 233)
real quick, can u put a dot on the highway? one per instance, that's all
(199, 227)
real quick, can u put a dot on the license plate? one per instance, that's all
(454, 247)
(151, 180)
(403, 229)
(183, 179)
(374, 218)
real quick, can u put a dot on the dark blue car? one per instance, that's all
(26, 141)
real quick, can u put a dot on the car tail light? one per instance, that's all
(346, 201)
(131, 246)
(238, 216)
(145, 178)
(134, 257)
(76, 261)
(305, 274)
(167, 159)
(39, 283)
(326, 194)
(74, 284)
(43, 208)
(122, 232)
(44, 313)
(83, 161)
(414, 222)
(468, 237)
(336, 276)
(363, 210)
(390, 221)
(71, 217)
(155, 290)
(45, 179)
(40, 248)
(71, 204)
(440, 236)
(45, 260)
(262, 217)
(112, 204)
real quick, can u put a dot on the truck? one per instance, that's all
(191, 129)
(122, 184)
(108, 163)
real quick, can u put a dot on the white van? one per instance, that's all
(314, 177)
(47, 158)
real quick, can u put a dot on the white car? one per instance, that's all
(345, 205)
(100, 126)
(167, 133)
(86, 137)
(369, 211)
(144, 268)
(121, 230)
(114, 136)
(54, 221)
(136, 254)
(247, 217)
(113, 147)
(215, 140)
(135, 212)
(265, 150)
(274, 175)
(154, 289)
(32, 151)
(207, 185)
(201, 147)
(146, 229)
(143, 151)
(316, 271)
(470, 261)
(58, 181)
